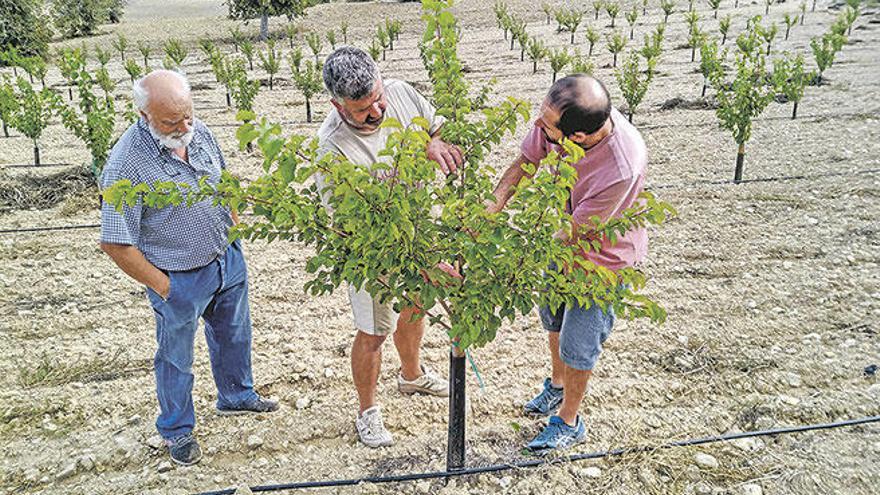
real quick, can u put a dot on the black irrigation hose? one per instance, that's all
(767, 179)
(50, 229)
(31, 165)
(545, 461)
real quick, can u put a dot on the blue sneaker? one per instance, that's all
(557, 435)
(254, 406)
(545, 403)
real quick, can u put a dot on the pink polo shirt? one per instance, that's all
(611, 175)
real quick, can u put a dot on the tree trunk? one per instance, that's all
(505, 33)
(228, 99)
(535, 66)
(787, 30)
(703, 94)
(767, 9)
(665, 17)
(736, 3)
(631, 33)
(612, 22)
(383, 57)
(740, 155)
(630, 116)
(308, 111)
(390, 42)
(70, 93)
(270, 82)
(455, 442)
(597, 15)
(814, 6)
(614, 64)
(511, 42)
(572, 37)
(554, 78)
(794, 111)
(768, 48)
(5, 129)
(146, 64)
(264, 26)
(715, 14)
(251, 64)
(590, 53)
(802, 19)
(36, 153)
(723, 38)
(693, 53)
(31, 77)
(522, 54)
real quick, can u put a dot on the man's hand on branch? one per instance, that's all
(448, 156)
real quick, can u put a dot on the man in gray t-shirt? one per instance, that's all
(361, 100)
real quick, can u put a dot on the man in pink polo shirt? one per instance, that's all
(610, 177)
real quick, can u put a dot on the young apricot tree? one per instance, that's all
(616, 44)
(383, 236)
(714, 4)
(145, 51)
(314, 42)
(271, 61)
(238, 37)
(102, 56)
(537, 52)
(597, 7)
(558, 60)
(824, 50)
(769, 34)
(175, 54)
(343, 29)
(93, 118)
(632, 83)
(70, 62)
(309, 81)
(34, 111)
(723, 28)
(248, 49)
(581, 64)
(8, 103)
(331, 38)
(592, 38)
(571, 19)
(133, 69)
(613, 9)
(746, 96)
(668, 8)
(790, 20)
(711, 62)
(631, 18)
(121, 44)
(791, 79)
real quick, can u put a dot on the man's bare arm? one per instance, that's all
(510, 179)
(135, 265)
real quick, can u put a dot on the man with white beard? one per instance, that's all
(183, 257)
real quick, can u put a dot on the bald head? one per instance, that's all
(582, 101)
(162, 90)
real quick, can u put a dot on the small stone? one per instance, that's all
(652, 421)
(706, 461)
(789, 400)
(156, 442)
(59, 256)
(793, 380)
(254, 442)
(243, 490)
(66, 472)
(505, 482)
(328, 372)
(747, 444)
(683, 339)
(134, 420)
(87, 462)
(591, 472)
(302, 403)
(874, 390)
(751, 489)
(702, 488)
(164, 467)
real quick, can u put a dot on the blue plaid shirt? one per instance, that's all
(174, 238)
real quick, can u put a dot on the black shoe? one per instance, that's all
(255, 406)
(184, 449)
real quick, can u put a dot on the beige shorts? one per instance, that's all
(371, 316)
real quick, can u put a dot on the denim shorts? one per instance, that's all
(581, 332)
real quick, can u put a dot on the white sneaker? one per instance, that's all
(428, 383)
(371, 430)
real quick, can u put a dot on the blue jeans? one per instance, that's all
(581, 332)
(218, 293)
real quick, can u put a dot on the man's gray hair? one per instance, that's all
(141, 96)
(350, 73)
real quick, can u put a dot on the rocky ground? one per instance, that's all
(772, 288)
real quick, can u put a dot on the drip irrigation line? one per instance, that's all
(50, 229)
(544, 461)
(31, 165)
(767, 179)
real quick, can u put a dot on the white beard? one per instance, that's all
(172, 142)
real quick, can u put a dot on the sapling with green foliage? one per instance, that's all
(546, 8)
(271, 61)
(824, 49)
(248, 49)
(558, 59)
(613, 9)
(644, 7)
(104, 81)
(744, 98)
(767, 4)
(571, 19)
(331, 38)
(207, 46)
(668, 8)
(803, 8)
(314, 42)
(145, 51)
(383, 39)
(102, 56)
(382, 235)
(769, 34)
(244, 91)
(238, 37)
(70, 62)
(597, 7)
(291, 31)
(375, 50)
(537, 51)
(133, 69)
(309, 82)
(10, 57)
(93, 118)
(791, 79)
(223, 68)
(724, 28)
(343, 29)
(616, 44)
(631, 17)
(633, 83)
(653, 47)
(34, 112)
(121, 45)
(593, 37)
(520, 36)
(714, 4)
(711, 62)
(790, 20)
(581, 64)
(8, 103)
(36, 68)
(175, 54)
(695, 34)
